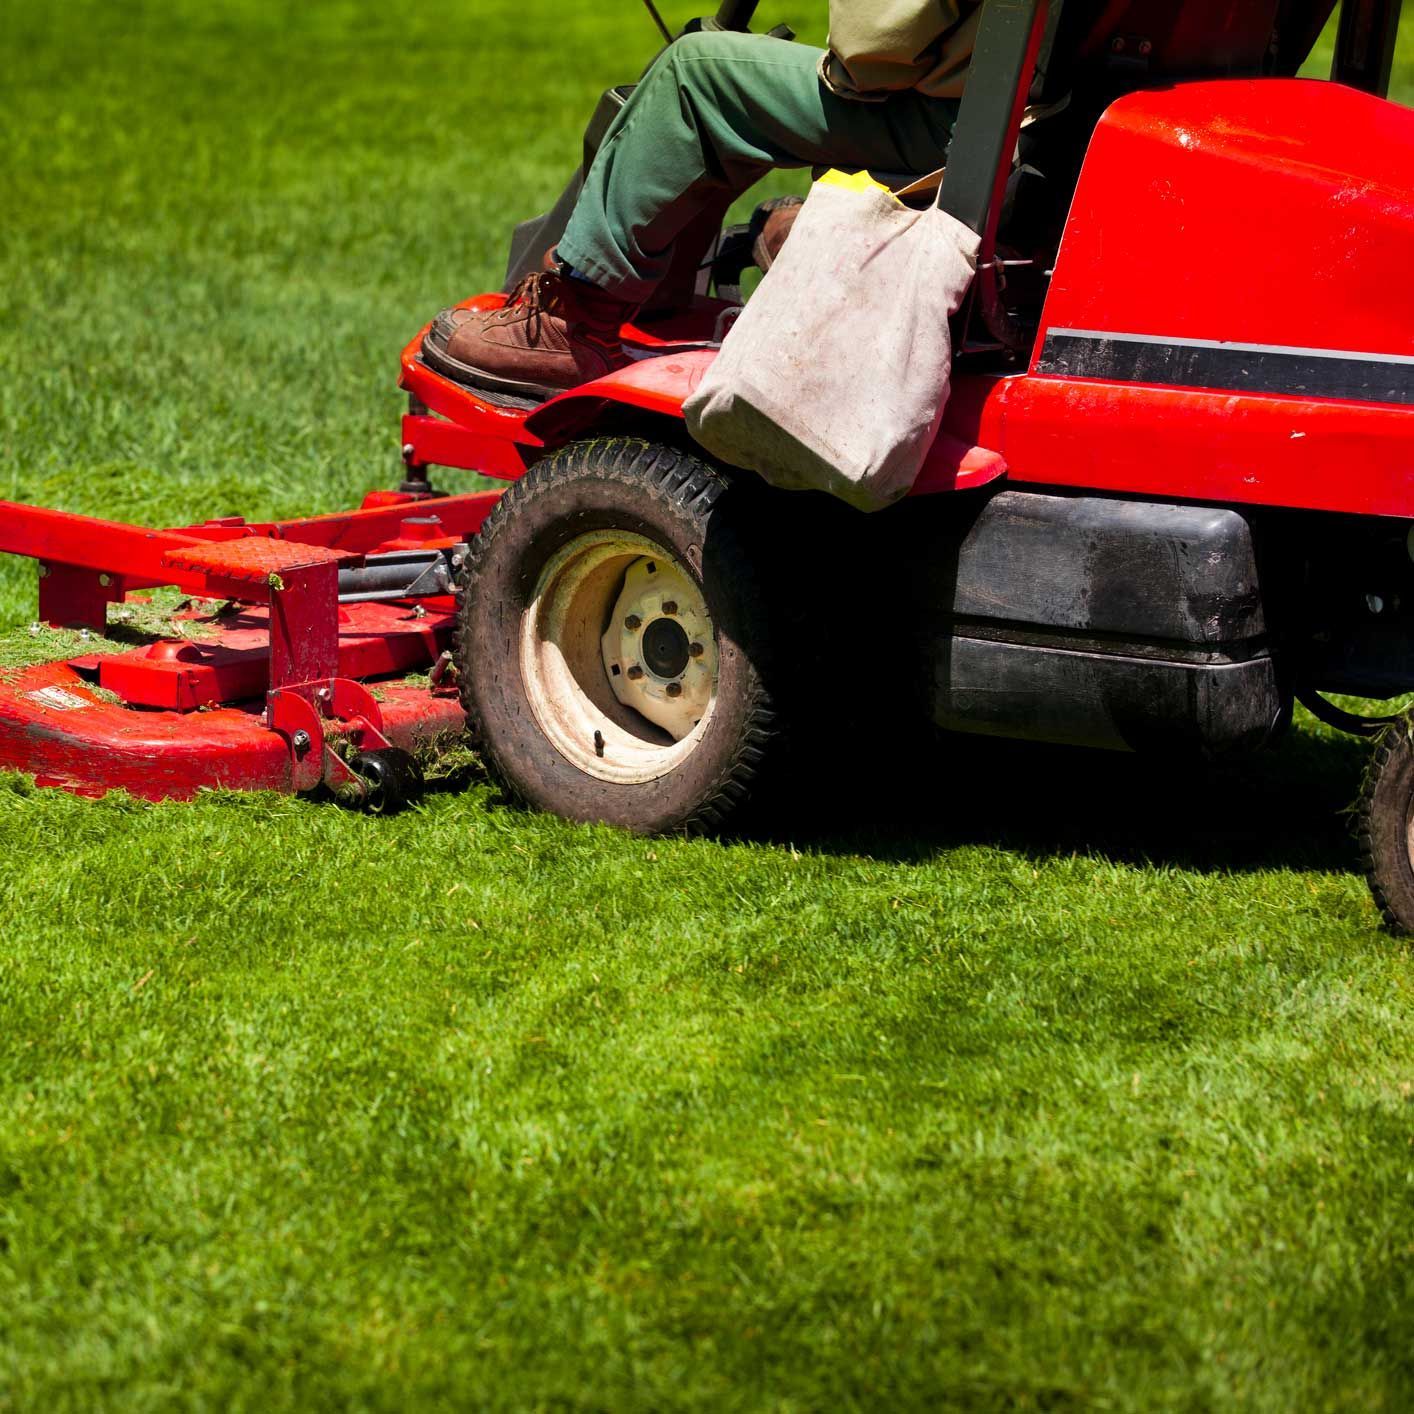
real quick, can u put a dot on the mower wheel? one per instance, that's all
(612, 641)
(1385, 826)
(392, 779)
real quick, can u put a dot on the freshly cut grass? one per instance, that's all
(1005, 1078)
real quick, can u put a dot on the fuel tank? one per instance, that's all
(1091, 621)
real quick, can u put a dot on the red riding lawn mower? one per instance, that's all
(1172, 492)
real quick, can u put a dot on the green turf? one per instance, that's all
(1067, 1081)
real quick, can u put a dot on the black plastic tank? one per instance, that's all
(1093, 621)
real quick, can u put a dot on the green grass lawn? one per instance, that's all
(1059, 1081)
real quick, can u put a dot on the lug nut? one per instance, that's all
(670, 606)
(694, 650)
(674, 689)
(633, 623)
(301, 742)
(634, 673)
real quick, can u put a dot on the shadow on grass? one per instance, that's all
(1282, 809)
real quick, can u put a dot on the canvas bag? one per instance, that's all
(835, 375)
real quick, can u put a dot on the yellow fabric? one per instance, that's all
(879, 47)
(853, 181)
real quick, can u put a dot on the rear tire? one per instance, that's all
(1385, 827)
(611, 646)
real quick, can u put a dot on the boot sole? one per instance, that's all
(436, 357)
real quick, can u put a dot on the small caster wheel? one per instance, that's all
(1384, 822)
(392, 778)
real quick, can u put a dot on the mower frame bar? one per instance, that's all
(1008, 41)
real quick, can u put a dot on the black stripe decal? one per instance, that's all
(1242, 368)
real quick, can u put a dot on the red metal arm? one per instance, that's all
(60, 537)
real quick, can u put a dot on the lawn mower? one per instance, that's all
(1171, 495)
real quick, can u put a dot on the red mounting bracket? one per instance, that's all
(313, 717)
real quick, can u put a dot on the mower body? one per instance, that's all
(1152, 505)
(1231, 319)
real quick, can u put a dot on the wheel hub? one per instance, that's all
(618, 655)
(665, 649)
(660, 650)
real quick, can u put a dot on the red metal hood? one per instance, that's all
(1275, 212)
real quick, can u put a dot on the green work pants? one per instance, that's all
(715, 113)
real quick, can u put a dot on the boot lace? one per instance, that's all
(536, 296)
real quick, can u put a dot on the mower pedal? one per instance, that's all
(254, 558)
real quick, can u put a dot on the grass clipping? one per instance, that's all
(130, 625)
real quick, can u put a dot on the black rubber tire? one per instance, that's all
(694, 512)
(393, 778)
(1382, 820)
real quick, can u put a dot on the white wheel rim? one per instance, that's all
(618, 656)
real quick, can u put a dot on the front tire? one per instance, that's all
(612, 644)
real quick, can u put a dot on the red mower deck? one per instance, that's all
(282, 687)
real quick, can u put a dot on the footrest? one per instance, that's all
(253, 559)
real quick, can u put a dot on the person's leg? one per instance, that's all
(715, 113)
(711, 117)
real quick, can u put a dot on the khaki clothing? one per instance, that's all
(879, 47)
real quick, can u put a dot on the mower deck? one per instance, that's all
(293, 677)
(56, 726)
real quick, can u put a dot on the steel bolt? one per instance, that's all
(44, 570)
(634, 673)
(408, 451)
(633, 623)
(1117, 45)
(695, 650)
(105, 580)
(1146, 47)
(670, 606)
(301, 742)
(674, 689)
(1374, 603)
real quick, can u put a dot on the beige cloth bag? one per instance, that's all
(835, 375)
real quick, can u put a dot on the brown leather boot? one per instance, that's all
(553, 333)
(770, 225)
